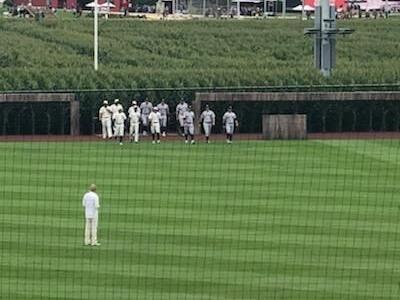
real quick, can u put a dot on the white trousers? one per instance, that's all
(91, 231)
(163, 121)
(207, 128)
(181, 119)
(119, 130)
(106, 128)
(155, 128)
(134, 131)
(230, 128)
(189, 129)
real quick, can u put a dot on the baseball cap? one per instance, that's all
(105, 102)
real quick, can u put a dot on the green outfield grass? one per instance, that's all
(254, 220)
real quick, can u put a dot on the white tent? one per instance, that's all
(91, 4)
(300, 8)
(107, 5)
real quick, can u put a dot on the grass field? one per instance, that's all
(254, 220)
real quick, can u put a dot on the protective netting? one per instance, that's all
(252, 219)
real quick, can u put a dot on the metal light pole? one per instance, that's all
(96, 35)
(283, 8)
(324, 33)
(238, 8)
(204, 7)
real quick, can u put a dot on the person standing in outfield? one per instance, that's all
(91, 203)
(181, 108)
(188, 127)
(134, 120)
(208, 119)
(115, 107)
(119, 121)
(105, 114)
(154, 119)
(145, 108)
(229, 121)
(164, 112)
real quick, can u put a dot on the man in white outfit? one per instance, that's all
(115, 108)
(181, 108)
(91, 203)
(154, 119)
(229, 120)
(145, 109)
(134, 120)
(163, 108)
(105, 115)
(208, 119)
(188, 125)
(119, 122)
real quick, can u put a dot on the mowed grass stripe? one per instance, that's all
(262, 220)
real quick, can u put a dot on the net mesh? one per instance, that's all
(252, 219)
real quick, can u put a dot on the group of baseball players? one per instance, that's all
(154, 119)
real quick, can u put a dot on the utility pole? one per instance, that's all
(324, 33)
(96, 35)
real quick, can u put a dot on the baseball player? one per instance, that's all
(164, 112)
(91, 203)
(154, 119)
(105, 115)
(145, 108)
(115, 107)
(134, 120)
(207, 119)
(181, 108)
(229, 120)
(119, 123)
(188, 122)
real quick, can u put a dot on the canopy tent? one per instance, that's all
(306, 8)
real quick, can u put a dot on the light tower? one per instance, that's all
(324, 33)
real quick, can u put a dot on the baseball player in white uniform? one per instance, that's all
(188, 125)
(164, 112)
(134, 121)
(145, 109)
(105, 115)
(91, 203)
(181, 108)
(155, 119)
(207, 119)
(229, 121)
(115, 107)
(119, 122)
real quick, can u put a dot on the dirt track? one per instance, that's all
(175, 137)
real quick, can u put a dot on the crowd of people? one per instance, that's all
(145, 118)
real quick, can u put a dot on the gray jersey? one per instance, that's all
(208, 116)
(181, 108)
(163, 109)
(188, 118)
(146, 108)
(229, 118)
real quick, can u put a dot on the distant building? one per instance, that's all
(68, 4)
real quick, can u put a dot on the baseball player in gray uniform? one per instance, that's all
(188, 125)
(229, 121)
(119, 121)
(115, 108)
(181, 108)
(145, 109)
(163, 109)
(207, 119)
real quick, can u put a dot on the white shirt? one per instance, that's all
(91, 204)
(116, 107)
(181, 108)
(146, 108)
(119, 118)
(229, 118)
(208, 116)
(134, 116)
(163, 109)
(154, 117)
(188, 117)
(105, 113)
